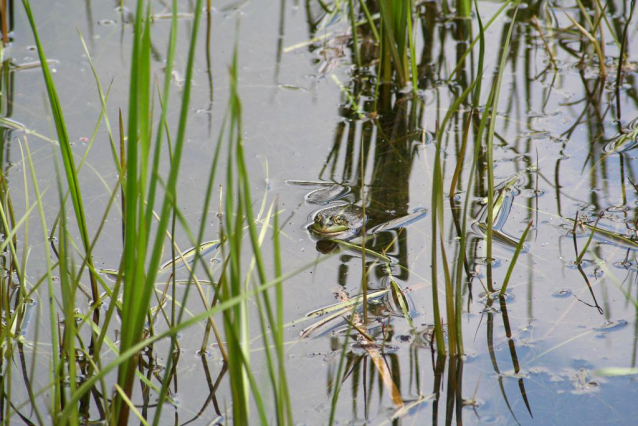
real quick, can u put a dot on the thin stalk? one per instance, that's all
(66, 151)
(391, 43)
(370, 21)
(412, 44)
(5, 23)
(622, 56)
(364, 268)
(355, 37)
(594, 42)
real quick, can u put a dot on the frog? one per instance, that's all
(342, 221)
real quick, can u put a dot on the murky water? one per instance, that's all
(532, 356)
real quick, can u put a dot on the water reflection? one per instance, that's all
(382, 134)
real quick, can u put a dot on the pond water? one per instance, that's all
(536, 356)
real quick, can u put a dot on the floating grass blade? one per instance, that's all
(616, 371)
(358, 249)
(613, 237)
(400, 222)
(340, 310)
(356, 300)
(201, 250)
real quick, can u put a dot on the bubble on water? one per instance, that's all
(404, 338)
(612, 325)
(491, 419)
(614, 209)
(562, 293)
(574, 265)
(487, 260)
(625, 264)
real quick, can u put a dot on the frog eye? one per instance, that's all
(318, 218)
(338, 220)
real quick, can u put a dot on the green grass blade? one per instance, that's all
(519, 248)
(65, 147)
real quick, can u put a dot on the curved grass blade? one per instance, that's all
(203, 250)
(400, 222)
(498, 236)
(336, 311)
(615, 372)
(342, 305)
(16, 125)
(307, 183)
(357, 248)
(611, 237)
(327, 194)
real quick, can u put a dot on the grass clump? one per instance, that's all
(145, 189)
